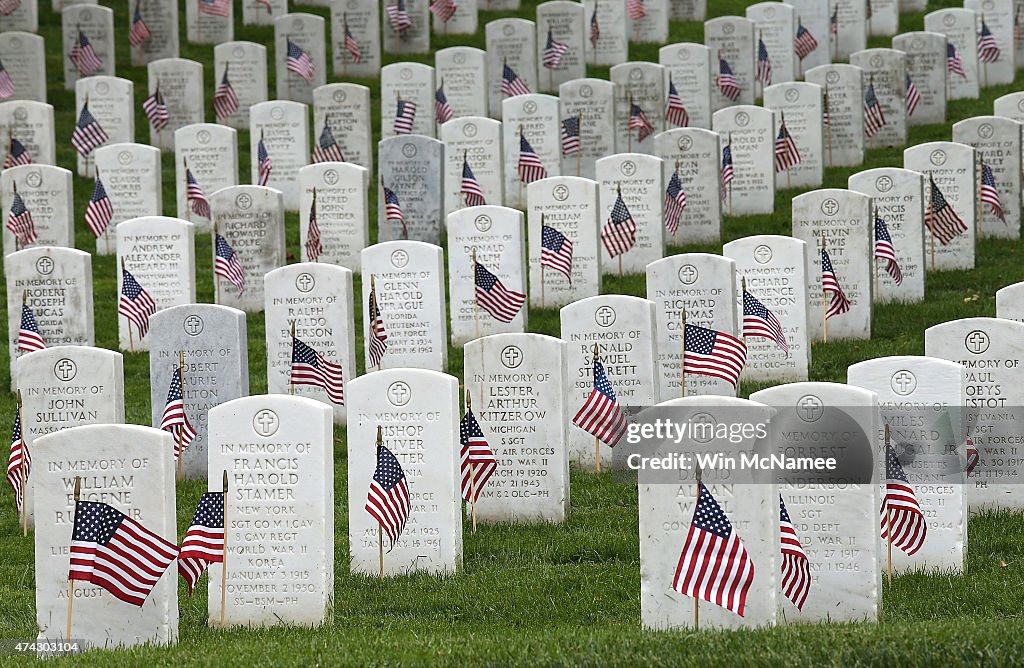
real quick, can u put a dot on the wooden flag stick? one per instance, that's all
(344, 51)
(789, 176)
(24, 470)
(462, 193)
(373, 298)
(476, 304)
(978, 211)
(291, 383)
(696, 600)
(472, 470)
(618, 192)
(224, 557)
(729, 139)
(384, 206)
(380, 529)
(828, 115)
(824, 302)
(682, 360)
(71, 583)
(597, 441)
(542, 260)
(17, 241)
(629, 130)
(874, 260)
(579, 136)
(216, 278)
(188, 209)
(180, 432)
(520, 176)
(312, 209)
(888, 511)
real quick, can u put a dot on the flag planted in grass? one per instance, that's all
(203, 543)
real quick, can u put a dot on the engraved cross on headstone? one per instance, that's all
(977, 341)
(811, 408)
(65, 370)
(903, 381)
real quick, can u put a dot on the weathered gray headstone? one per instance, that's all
(345, 109)
(801, 106)
(46, 193)
(638, 178)
(612, 45)
(180, 84)
(283, 128)
(775, 25)
(155, 22)
(209, 28)
(412, 167)
(748, 132)
(462, 71)
(244, 65)
(960, 26)
(592, 103)
(511, 42)
(997, 142)
(361, 20)
(535, 117)
(696, 153)
(478, 142)
(886, 70)
(688, 68)
(1002, 20)
(413, 39)
(306, 32)
(926, 67)
(731, 40)
(84, 26)
(31, 123)
(24, 58)
(132, 178)
(643, 85)
(210, 153)
(407, 82)
(342, 211)
(844, 96)
(565, 23)
(953, 169)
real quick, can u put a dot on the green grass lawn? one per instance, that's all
(568, 593)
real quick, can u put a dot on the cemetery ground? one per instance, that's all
(560, 593)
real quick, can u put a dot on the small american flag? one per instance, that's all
(18, 464)
(555, 251)
(6, 83)
(595, 28)
(268, 5)
(99, 213)
(619, 233)
(953, 61)
(110, 549)
(601, 415)
(203, 543)
(263, 165)
(988, 48)
(786, 153)
(492, 295)
(326, 148)
(156, 109)
(636, 9)
(833, 21)
(804, 44)
(377, 341)
(477, 460)
(139, 32)
(88, 133)
(675, 111)
(471, 191)
(398, 16)
(84, 57)
(311, 368)
(29, 338)
(405, 114)
(884, 250)
(352, 46)
(826, 115)
(20, 222)
(874, 119)
(764, 64)
(388, 500)
(135, 303)
(17, 154)
(195, 196)
(443, 10)
(314, 245)
(759, 321)
(530, 166)
(913, 96)
(713, 565)
(941, 219)
(728, 173)
(989, 192)
(226, 264)
(8, 7)
(571, 135)
(675, 202)
(442, 109)
(511, 84)
(638, 120)
(215, 7)
(709, 352)
(174, 418)
(299, 61)
(973, 456)
(553, 52)
(225, 101)
(900, 509)
(796, 568)
(728, 84)
(838, 303)
(393, 210)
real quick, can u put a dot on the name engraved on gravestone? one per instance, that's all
(566, 23)
(844, 96)
(688, 67)
(31, 123)
(477, 142)
(160, 20)
(244, 65)
(132, 179)
(639, 178)
(696, 154)
(210, 154)
(592, 103)
(45, 192)
(534, 117)
(997, 142)
(731, 39)
(749, 133)
(344, 108)
(512, 43)
(342, 212)
(411, 167)
(360, 20)
(926, 67)
(461, 70)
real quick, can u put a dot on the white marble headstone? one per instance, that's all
(612, 46)
(244, 64)
(407, 82)
(698, 154)
(732, 39)
(31, 123)
(96, 24)
(181, 86)
(462, 70)
(639, 179)
(345, 109)
(157, 24)
(641, 84)
(748, 131)
(566, 23)
(412, 167)
(814, 16)
(413, 39)
(46, 192)
(844, 94)
(926, 67)
(24, 57)
(1000, 16)
(342, 211)
(535, 117)
(801, 106)
(362, 19)
(997, 142)
(479, 142)
(775, 25)
(511, 42)
(960, 26)
(132, 178)
(306, 31)
(592, 103)
(886, 69)
(688, 67)
(283, 127)
(206, 28)
(210, 152)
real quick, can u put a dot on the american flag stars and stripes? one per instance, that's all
(309, 367)
(728, 171)
(393, 210)
(709, 352)
(139, 31)
(973, 456)
(378, 338)
(555, 251)
(619, 233)
(988, 48)
(636, 9)
(84, 57)
(203, 543)
(554, 51)
(675, 202)
(355, 54)
(398, 16)
(837, 301)
(760, 322)
(902, 518)
(443, 10)
(511, 84)
(17, 154)
(913, 96)
(8, 7)
(19, 463)
(595, 28)
(477, 460)
(874, 119)
(826, 119)
(833, 20)
(728, 84)
(6, 82)
(405, 114)
(714, 565)
(530, 166)
(155, 108)
(885, 251)
(196, 197)
(796, 567)
(219, 8)
(29, 338)
(314, 244)
(941, 218)
(388, 501)
(442, 109)
(571, 135)
(954, 63)
(471, 190)
(675, 110)
(175, 419)
(300, 62)
(493, 297)
(88, 133)
(804, 44)
(326, 148)
(786, 153)
(601, 415)
(135, 303)
(990, 193)
(225, 100)
(99, 212)
(114, 551)
(20, 222)
(263, 164)
(638, 121)
(763, 73)
(226, 264)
